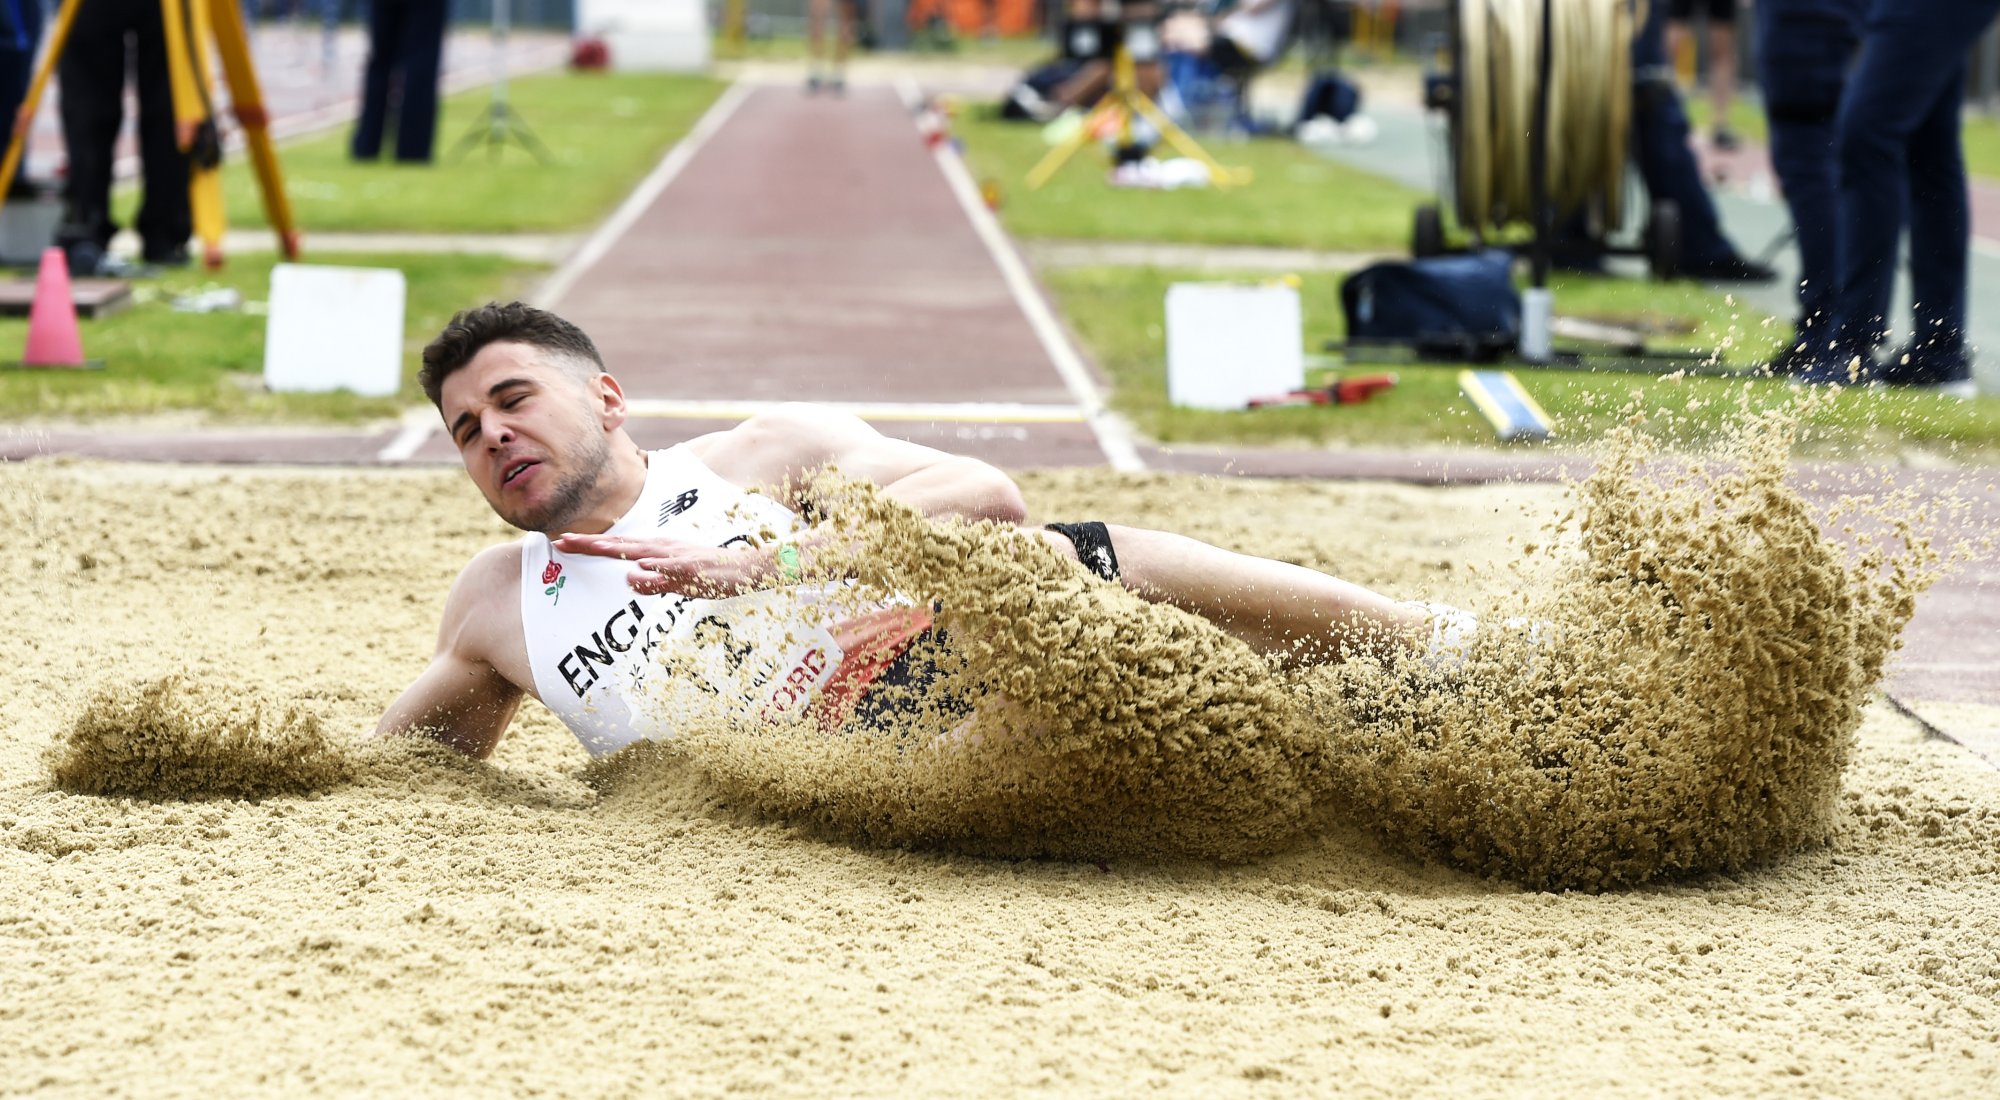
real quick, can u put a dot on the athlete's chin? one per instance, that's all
(523, 515)
(542, 519)
(550, 517)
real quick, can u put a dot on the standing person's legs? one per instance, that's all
(1668, 165)
(818, 14)
(166, 216)
(17, 58)
(418, 58)
(91, 102)
(1721, 68)
(1675, 35)
(385, 28)
(843, 42)
(1803, 49)
(1940, 243)
(1911, 51)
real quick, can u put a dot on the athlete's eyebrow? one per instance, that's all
(492, 392)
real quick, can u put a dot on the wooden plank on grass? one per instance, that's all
(93, 297)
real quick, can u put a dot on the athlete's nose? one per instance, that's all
(495, 430)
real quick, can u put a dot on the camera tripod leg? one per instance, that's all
(500, 125)
(1224, 177)
(1123, 100)
(246, 94)
(187, 27)
(518, 127)
(1052, 162)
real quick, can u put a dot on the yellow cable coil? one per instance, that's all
(1590, 107)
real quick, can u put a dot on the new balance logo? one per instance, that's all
(677, 505)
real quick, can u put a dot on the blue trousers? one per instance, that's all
(1660, 141)
(405, 44)
(20, 35)
(1899, 150)
(1804, 48)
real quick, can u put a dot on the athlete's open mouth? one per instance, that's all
(516, 469)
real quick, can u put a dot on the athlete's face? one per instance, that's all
(534, 436)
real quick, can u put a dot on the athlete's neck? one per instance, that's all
(617, 490)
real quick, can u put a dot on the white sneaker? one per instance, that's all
(1454, 628)
(1452, 631)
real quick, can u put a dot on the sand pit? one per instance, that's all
(405, 921)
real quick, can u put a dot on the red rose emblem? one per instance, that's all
(550, 573)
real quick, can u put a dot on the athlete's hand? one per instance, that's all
(680, 568)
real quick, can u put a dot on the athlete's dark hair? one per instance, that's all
(515, 322)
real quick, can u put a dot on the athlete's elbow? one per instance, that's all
(999, 499)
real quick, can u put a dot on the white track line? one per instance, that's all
(966, 412)
(1112, 438)
(635, 204)
(418, 424)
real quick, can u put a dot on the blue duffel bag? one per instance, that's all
(1443, 307)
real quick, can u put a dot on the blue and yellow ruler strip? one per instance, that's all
(1505, 404)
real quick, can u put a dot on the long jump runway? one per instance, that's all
(809, 249)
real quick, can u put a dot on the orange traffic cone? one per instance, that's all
(53, 339)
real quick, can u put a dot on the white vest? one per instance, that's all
(619, 667)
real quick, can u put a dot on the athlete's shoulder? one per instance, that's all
(483, 611)
(501, 561)
(490, 580)
(781, 439)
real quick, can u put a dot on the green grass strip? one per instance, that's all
(1296, 199)
(159, 360)
(1982, 146)
(1119, 314)
(604, 131)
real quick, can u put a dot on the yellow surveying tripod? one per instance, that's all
(190, 26)
(1122, 101)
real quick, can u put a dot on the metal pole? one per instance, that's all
(502, 24)
(1537, 304)
(1538, 152)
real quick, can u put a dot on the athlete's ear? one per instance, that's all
(611, 407)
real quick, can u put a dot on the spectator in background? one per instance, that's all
(1899, 151)
(1721, 75)
(824, 71)
(1250, 36)
(1660, 144)
(1804, 48)
(405, 45)
(91, 73)
(20, 34)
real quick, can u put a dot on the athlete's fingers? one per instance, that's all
(685, 577)
(648, 583)
(619, 546)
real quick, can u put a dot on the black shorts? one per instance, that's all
(912, 678)
(915, 672)
(1092, 541)
(1719, 11)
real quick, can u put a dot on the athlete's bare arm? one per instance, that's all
(1287, 611)
(468, 694)
(787, 445)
